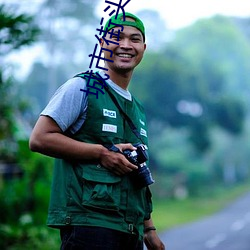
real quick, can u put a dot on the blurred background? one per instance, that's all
(194, 82)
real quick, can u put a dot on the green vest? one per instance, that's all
(86, 193)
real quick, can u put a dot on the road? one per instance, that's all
(227, 230)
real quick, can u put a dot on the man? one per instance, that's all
(95, 202)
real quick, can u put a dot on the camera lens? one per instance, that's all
(144, 176)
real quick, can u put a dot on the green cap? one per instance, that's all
(137, 23)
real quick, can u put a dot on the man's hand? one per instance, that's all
(152, 241)
(116, 162)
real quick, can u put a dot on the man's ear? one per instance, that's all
(101, 41)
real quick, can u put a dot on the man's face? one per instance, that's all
(128, 54)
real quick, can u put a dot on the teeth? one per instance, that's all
(125, 55)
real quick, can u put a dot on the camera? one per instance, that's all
(142, 176)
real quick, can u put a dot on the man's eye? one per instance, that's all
(115, 37)
(136, 39)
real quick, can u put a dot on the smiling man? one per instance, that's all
(128, 54)
(96, 201)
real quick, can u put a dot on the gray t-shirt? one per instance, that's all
(68, 106)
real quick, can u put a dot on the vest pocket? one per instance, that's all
(101, 188)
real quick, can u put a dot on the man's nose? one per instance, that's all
(125, 44)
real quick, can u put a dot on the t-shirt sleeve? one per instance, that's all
(68, 105)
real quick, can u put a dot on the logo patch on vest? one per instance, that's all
(109, 113)
(143, 132)
(109, 128)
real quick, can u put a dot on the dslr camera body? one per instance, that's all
(142, 177)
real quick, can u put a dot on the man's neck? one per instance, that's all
(121, 79)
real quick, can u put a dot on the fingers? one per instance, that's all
(121, 165)
(117, 163)
(124, 146)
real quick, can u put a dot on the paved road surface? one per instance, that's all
(226, 230)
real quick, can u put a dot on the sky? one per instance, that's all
(176, 14)
(181, 13)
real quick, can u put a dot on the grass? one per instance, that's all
(170, 213)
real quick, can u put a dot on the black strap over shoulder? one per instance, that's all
(125, 116)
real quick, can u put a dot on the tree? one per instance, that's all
(67, 37)
(193, 75)
(68, 29)
(220, 50)
(196, 96)
(16, 31)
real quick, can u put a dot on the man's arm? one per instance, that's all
(151, 239)
(47, 138)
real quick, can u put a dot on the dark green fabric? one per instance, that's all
(88, 194)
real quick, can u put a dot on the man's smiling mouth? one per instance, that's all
(124, 55)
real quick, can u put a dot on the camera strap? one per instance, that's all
(125, 116)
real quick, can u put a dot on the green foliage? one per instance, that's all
(196, 81)
(199, 179)
(72, 9)
(24, 203)
(15, 30)
(67, 43)
(167, 74)
(230, 114)
(8, 105)
(220, 51)
(24, 235)
(29, 193)
(199, 135)
(66, 47)
(243, 24)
